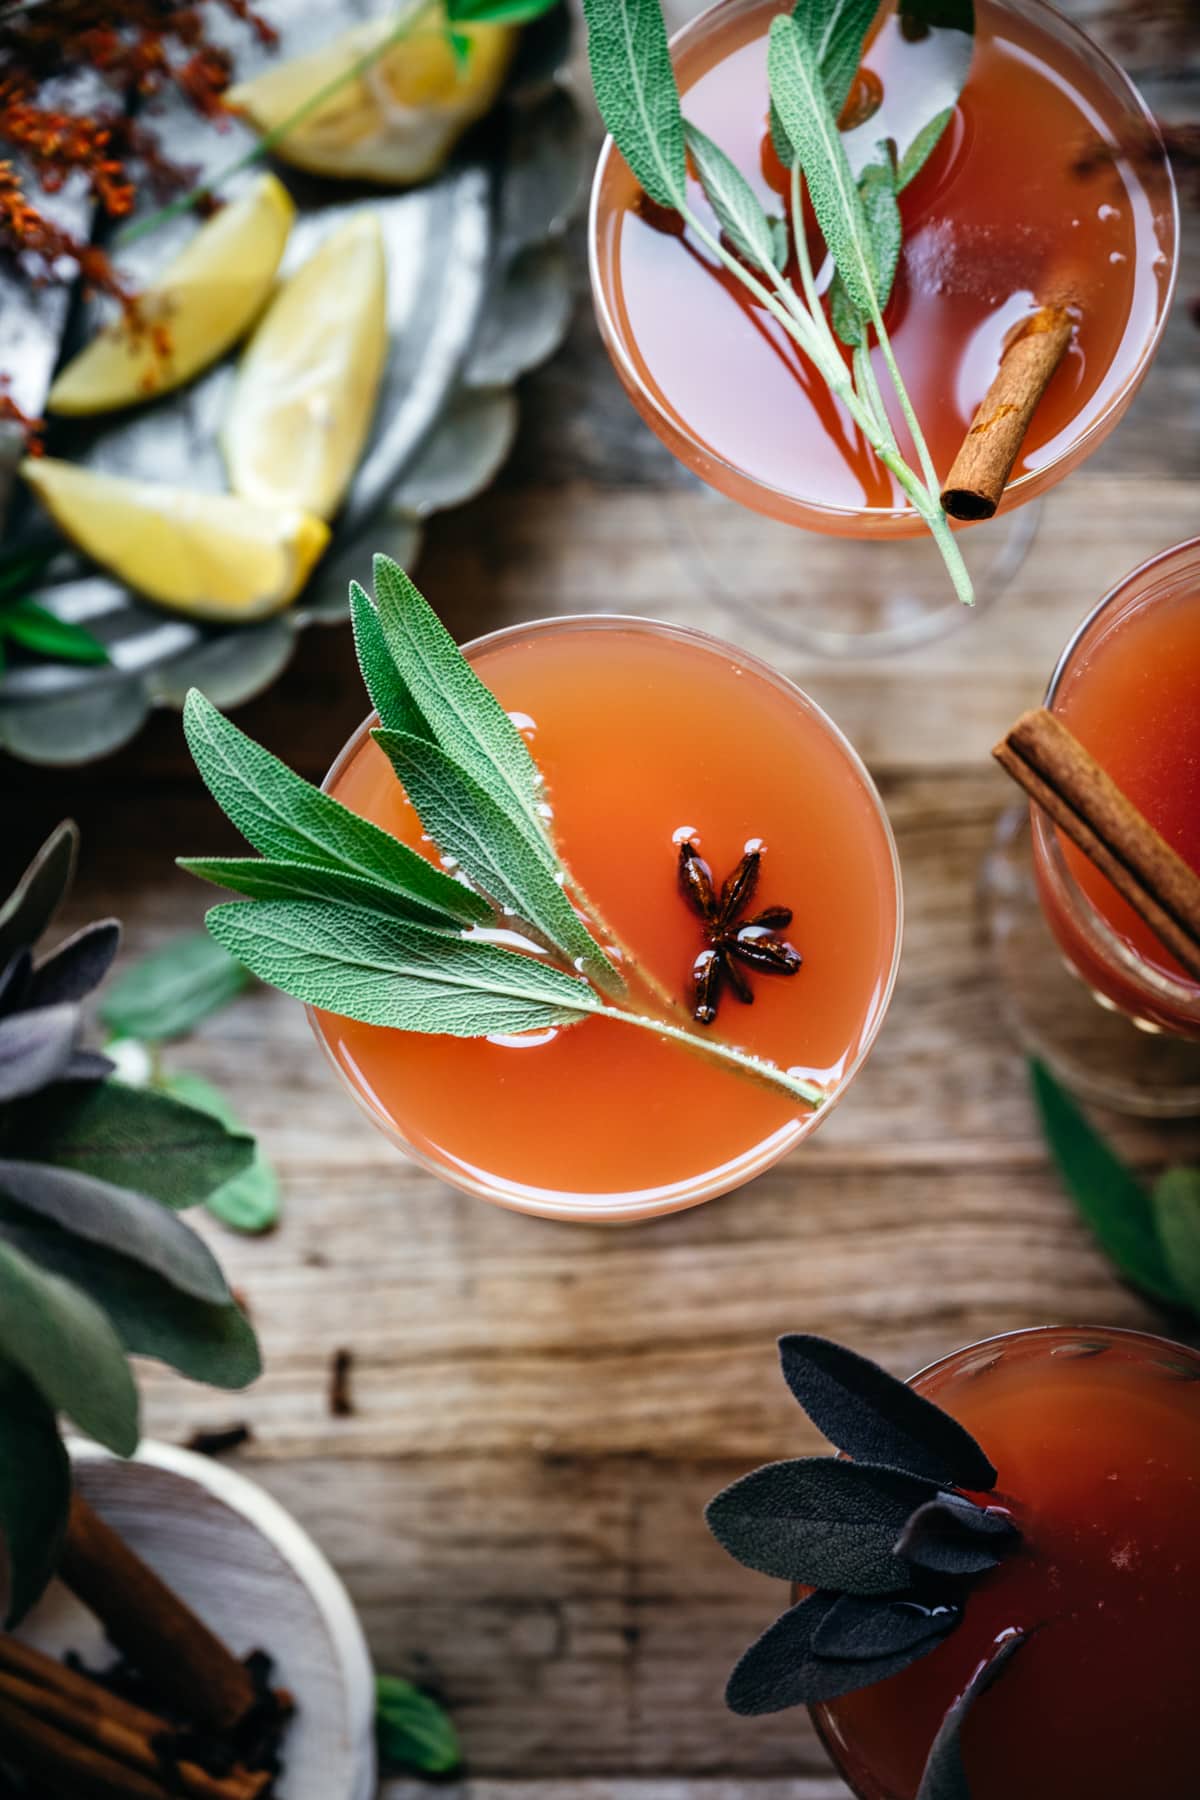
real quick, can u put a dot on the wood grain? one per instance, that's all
(540, 1411)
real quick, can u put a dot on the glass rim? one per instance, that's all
(1177, 991)
(650, 1203)
(1017, 491)
(997, 1340)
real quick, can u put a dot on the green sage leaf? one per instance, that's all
(35, 628)
(363, 967)
(636, 93)
(835, 31)
(205, 1342)
(1107, 1193)
(922, 147)
(39, 893)
(1175, 1202)
(131, 1224)
(412, 1730)
(811, 126)
(461, 713)
(249, 1201)
(35, 1490)
(740, 216)
(68, 1349)
(287, 818)
(397, 709)
(492, 849)
(261, 878)
(132, 1137)
(877, 190)
(167, 993)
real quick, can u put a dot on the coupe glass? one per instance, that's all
(364, 1059)
(890, 588)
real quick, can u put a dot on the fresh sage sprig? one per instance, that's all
(344, 917)
(812, 59)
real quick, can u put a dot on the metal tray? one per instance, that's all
(478, 293)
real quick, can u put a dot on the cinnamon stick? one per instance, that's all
(187, 1663)
(1045, 757)
(985, 459)
(70, 1767)
(93, 1722)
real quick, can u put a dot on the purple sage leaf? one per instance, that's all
(875, 1418)
(14, 981)
(35, 1048)
(861, 1629)
(782, 1668)
(952, 1536)
(820, 1520)
(37, 896)
(76, 966)
(945, 1776)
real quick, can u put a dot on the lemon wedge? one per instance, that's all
(309, 378)
(397, 121)
(201, 304)
(212, 556)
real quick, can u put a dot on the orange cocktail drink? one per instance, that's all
(1128, 685)
(1096, 1438)
(650, 737)
(1026, 200)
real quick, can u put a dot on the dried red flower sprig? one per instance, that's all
(139, 47)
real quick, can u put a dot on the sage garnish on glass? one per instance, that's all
(889, 1542)
(852, 180)
(345, 917)
(96, 1265)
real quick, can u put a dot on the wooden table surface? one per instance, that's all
(540, 1410)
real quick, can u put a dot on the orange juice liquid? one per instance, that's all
(999, 219)
(1134, 702)
(1130, 691)
(640, 733)
(1098, 1452)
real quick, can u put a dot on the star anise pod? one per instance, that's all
(732, 939)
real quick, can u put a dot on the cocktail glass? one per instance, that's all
(647, 733)
(1096, 1437)
(1001, 215)
(1087, 985)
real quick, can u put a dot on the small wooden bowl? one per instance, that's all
(258, 1580)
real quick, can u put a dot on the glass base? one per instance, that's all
(848, 597)
(1100, 1054)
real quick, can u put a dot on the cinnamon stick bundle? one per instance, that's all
(186, 1663)
(1046, 758)
(46, 1708)
(991, 447)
